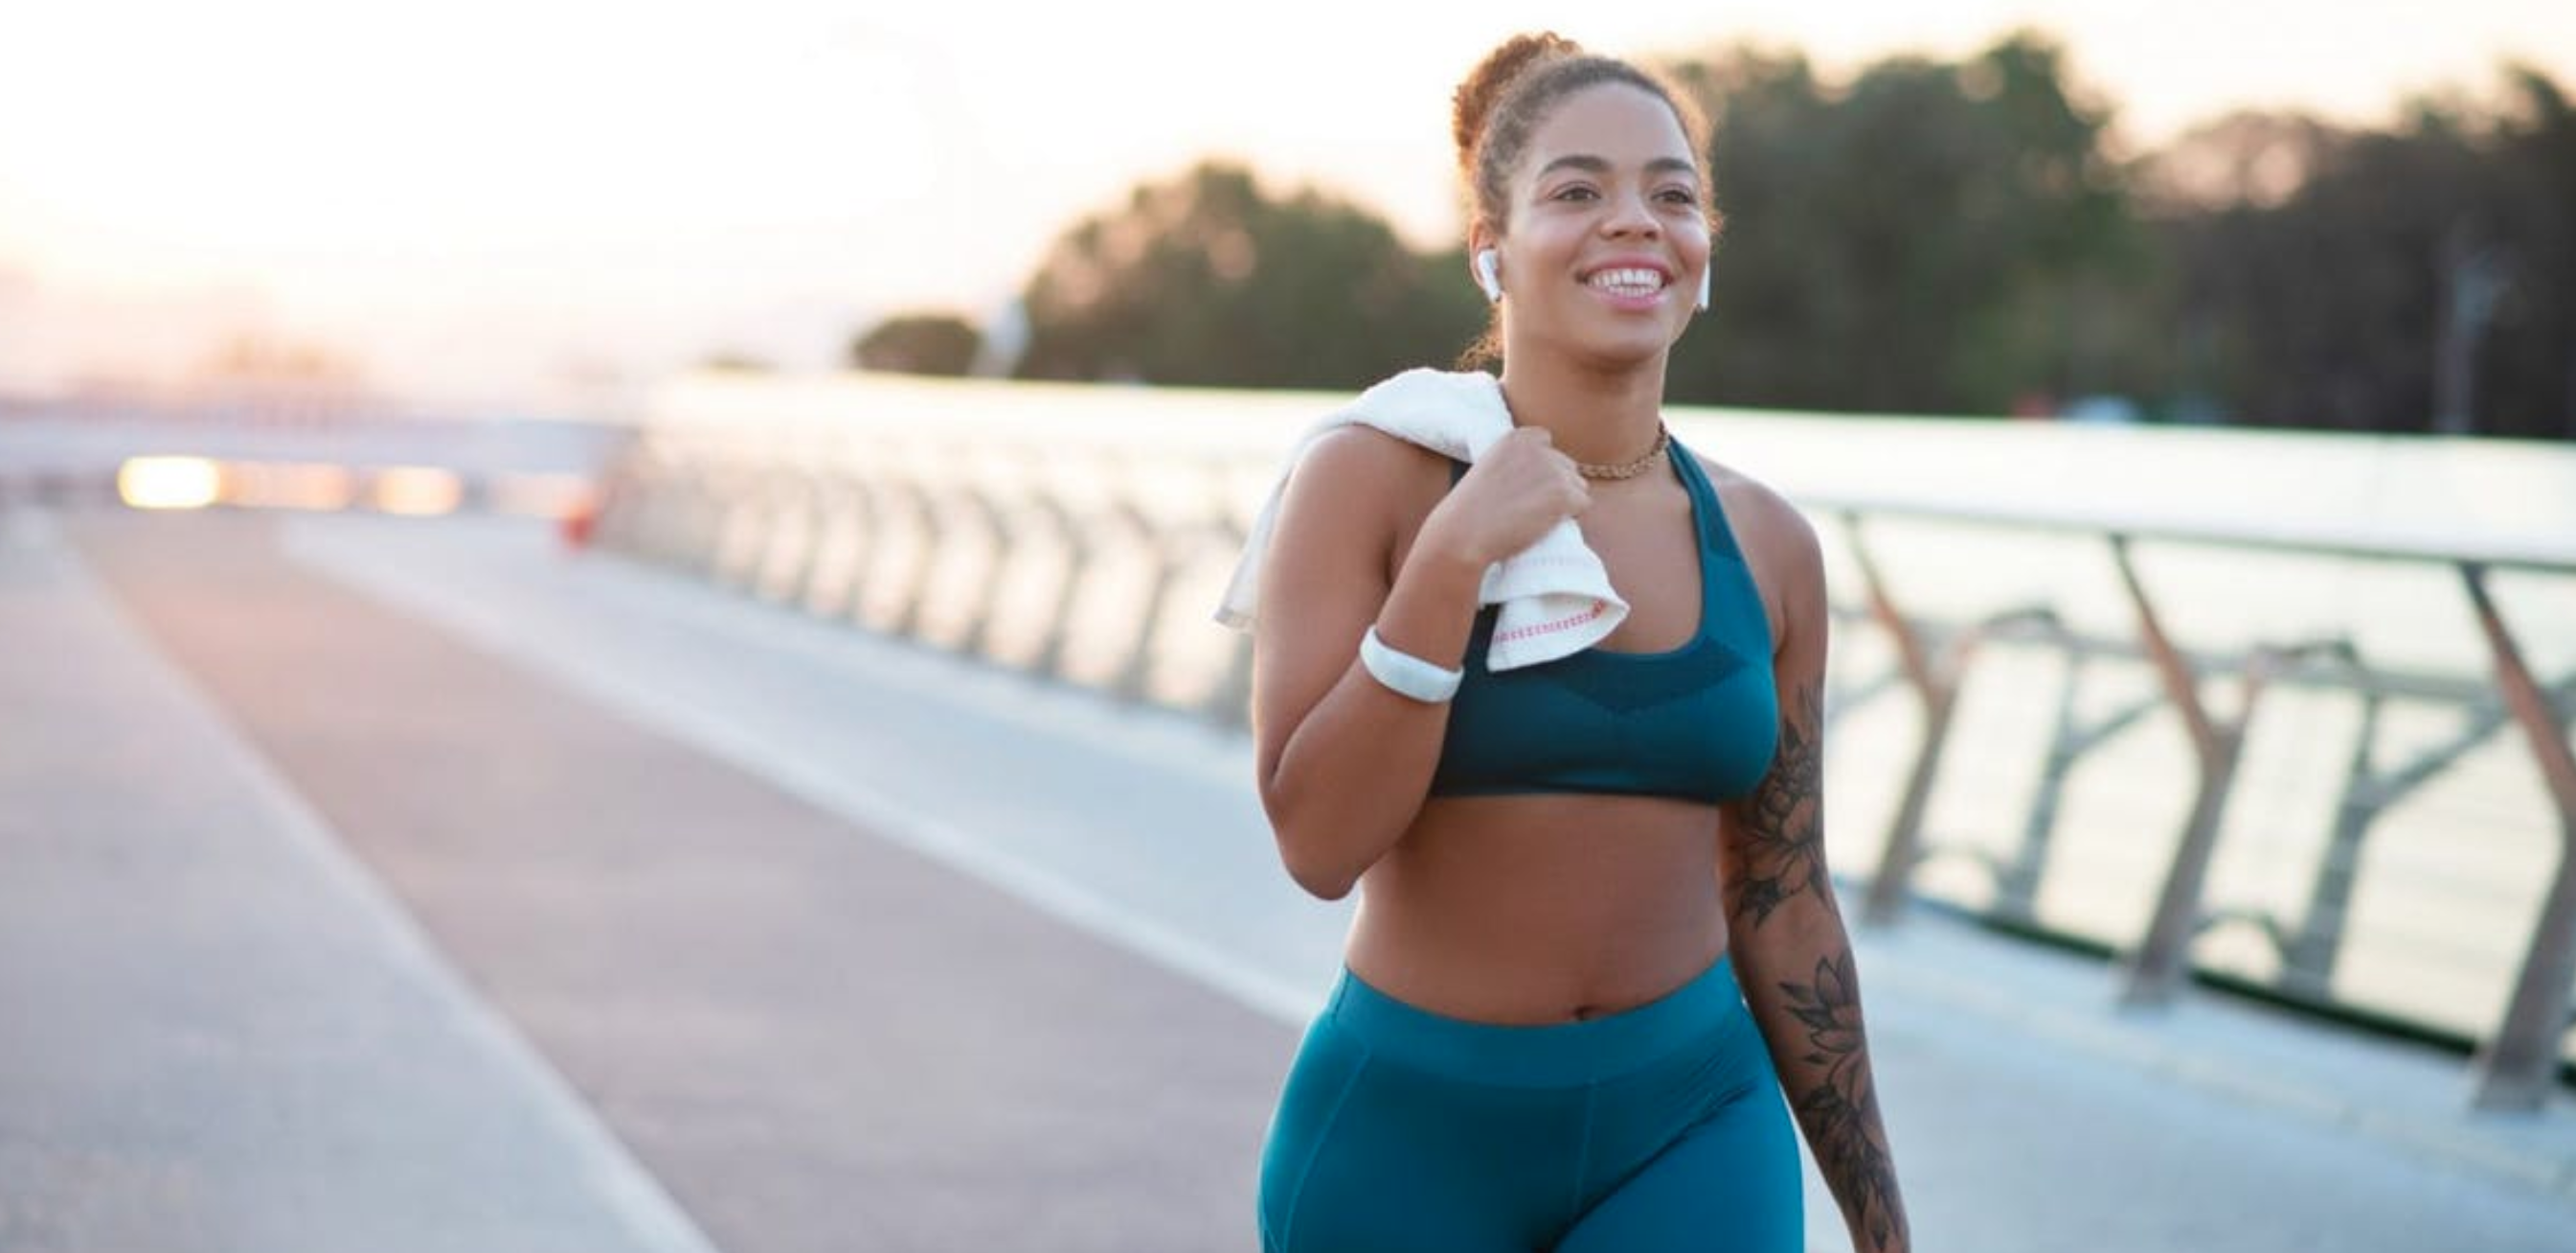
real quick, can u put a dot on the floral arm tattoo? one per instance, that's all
(1838, 1103)
(1781, 852)
(1813, 1022)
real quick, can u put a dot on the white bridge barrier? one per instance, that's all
(2287, 710)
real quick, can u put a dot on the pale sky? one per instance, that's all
(480, 198)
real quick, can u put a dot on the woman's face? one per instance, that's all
(1609, 230)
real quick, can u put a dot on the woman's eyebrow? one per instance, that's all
(1601, 165)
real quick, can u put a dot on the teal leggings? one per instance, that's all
(1660, 1128)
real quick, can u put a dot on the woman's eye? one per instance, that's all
(1576, 192)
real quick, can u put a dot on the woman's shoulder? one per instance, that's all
(1779, 546)
(1358, 486)
(1761, 517)
(1358, 451)
(1358, 466)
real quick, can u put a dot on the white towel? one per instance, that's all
(1555, 595)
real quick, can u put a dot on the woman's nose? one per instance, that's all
(1631, 215)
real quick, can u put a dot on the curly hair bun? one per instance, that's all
(1475, 98)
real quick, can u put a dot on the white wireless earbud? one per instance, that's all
(1703, 289)
(1488, 274)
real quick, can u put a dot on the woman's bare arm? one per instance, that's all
(1787, 934)
(1344, 763)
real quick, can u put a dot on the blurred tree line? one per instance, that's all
(1207, 280)
(1934, 237)
(919, 343)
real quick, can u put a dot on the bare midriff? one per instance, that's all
(1543, 908)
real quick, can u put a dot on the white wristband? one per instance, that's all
(1405, 674)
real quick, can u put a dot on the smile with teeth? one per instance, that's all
(1636, 282)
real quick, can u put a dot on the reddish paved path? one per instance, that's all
(815, 1040)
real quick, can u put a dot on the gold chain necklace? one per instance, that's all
(1631, 469)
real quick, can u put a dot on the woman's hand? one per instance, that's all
(1515, 493)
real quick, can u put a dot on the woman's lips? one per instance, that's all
(1629, 286)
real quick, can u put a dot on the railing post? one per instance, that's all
(1936, 680)
(2018, 883)
(2308, 961)
(835, 551)
(2515, 1069)
(931, 527)
(868, 552)
(1938, 693)
(976, 640)
(1166, 544)
(1048, 661)
(788, 543)
(2156, 970)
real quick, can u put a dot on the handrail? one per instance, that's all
(2550, 554)
(1172, 518)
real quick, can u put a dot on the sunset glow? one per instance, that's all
(500, 200)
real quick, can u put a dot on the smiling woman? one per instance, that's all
(1651, 164)
(1573, 770)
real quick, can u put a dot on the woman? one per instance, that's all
(1540, 1040)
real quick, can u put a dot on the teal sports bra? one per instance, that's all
(1698, 722)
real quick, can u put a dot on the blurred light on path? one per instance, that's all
(288, 485)
(168, 482)
(418, 491)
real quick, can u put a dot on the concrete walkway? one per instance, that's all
(814, 1038)
(856, 946)
(216, 1032)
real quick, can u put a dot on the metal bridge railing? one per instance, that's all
(1096, 560)
(2519, 1059)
